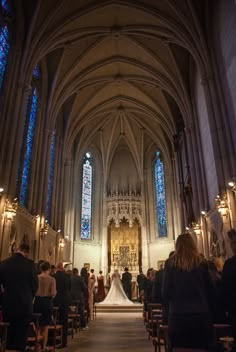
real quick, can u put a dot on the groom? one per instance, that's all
(126, 282)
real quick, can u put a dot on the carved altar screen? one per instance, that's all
(125, 246)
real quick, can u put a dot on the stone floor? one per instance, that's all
(112, 332)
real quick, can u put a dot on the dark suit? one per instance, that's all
(78, 291)
(229, 290)
(20, 283)
(62, 300)
(126, 282)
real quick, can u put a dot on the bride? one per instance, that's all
(116, 294)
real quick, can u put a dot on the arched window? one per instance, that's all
(51, 177)
(28, 140)
(4, 42)
(86, 212)
(160, 195)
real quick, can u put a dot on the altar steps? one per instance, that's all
(110, 308)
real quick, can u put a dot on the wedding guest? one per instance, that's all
(78, 291)
(229, 282)
(141, 278)
(101, 289)
(62, 298)
(19, 281)
(91, 288)
(126, 282)
(187, 287)
(43, 302)
(84, 274)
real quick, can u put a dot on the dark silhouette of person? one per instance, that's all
(62, 298)
(141, 279)
(229, 283)
(20, 283)
(126, 282)
(78, 291)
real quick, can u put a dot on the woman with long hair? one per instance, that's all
(188, 289)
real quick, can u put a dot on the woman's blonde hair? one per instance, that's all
(186, 256)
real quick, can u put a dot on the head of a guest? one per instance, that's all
(75, 271)
(100, 272)
(126, 269)
(24, 249)
(45, 267)
(60, 267)
(149, 272)
(92, 271)
(52, 269)
(186, 256)
(232, 239)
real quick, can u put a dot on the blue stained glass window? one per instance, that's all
(28, 148)
(36, 73)
(5, 6)
(160, 195)
(51, 177)
(4, 50)
(86, 213)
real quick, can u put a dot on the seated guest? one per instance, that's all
(19, 281)
(187, 288)
(43, 300)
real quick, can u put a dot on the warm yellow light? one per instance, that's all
(1, 189)
(231, 184)
(203, 212)
(187, 228)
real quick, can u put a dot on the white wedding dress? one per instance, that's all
(116, 294)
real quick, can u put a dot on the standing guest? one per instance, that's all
(52, 270)
(78, 291)
(141, 278)
(91, 288)
(62, 298)
(126, 282)
(101, 288)
(188, 289)
(92, 273)
(84, 274)
(43, 302)
(229, 282)
(19, 281)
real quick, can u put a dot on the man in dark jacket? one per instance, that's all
(20, 282)
(126, 282)
(78, 290)
(229, 282)
(62, 298)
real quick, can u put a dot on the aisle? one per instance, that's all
(112, 332)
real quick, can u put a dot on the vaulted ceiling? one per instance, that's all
(118, 71)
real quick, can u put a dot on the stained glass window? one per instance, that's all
(4, 50)
(5, 6)
(51, 177)
(160, 195)
(86, 213)
(36, 73)
(28, 147)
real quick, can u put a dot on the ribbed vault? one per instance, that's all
(119, 68)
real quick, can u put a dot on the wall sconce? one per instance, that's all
(43, 230)
(221, 205)
(1, 191)
(232, 186)
(61, 243)
(10, 209)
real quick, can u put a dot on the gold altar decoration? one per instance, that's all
(125, 246)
